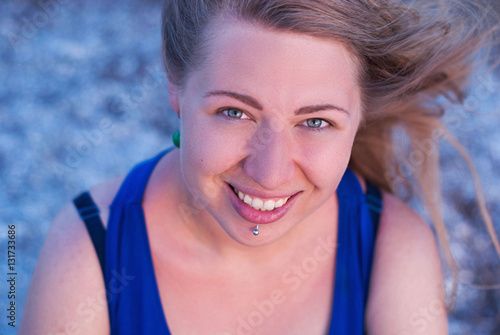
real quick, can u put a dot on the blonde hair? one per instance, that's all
(413, 60)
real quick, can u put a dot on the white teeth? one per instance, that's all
(280, 203)
(247, 200)
(257, 203)
(260, 204)
(269, 205)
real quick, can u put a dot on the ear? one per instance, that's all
(173, 94)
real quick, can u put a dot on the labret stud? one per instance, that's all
(256, 231)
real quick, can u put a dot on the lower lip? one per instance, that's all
(256, 216)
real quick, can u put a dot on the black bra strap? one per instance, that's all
(90, 215)
(374, 202)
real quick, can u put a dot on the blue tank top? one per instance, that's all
(132, 291)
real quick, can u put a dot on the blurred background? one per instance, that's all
(83, 97)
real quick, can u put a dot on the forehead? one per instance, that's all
(277, 67)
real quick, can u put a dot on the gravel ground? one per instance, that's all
(83, 98)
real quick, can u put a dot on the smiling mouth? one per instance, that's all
(258, 210)
(263, 205)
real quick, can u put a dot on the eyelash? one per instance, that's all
(222, 111)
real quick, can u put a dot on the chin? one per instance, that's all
(242, 233)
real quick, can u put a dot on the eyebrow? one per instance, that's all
(246, 99)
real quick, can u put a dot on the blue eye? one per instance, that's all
(235, 114)
(314, 123)
(317, 124)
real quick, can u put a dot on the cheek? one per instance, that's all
(324, 163)
(209, 150)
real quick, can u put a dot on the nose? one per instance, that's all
(270, 162)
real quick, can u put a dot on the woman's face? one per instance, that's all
(272, 115)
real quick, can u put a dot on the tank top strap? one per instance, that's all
(349, 185)
(355, 244)
(134, 185)
(134, 303)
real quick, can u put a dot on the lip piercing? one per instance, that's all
(256, 231)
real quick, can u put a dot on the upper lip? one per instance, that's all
(261, 194)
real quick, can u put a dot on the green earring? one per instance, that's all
(176, 138)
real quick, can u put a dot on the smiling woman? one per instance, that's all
(248, 118)
(289, 111)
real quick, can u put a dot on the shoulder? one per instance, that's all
(406, 292)
(67, 293)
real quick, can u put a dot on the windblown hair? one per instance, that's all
(414, 59)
